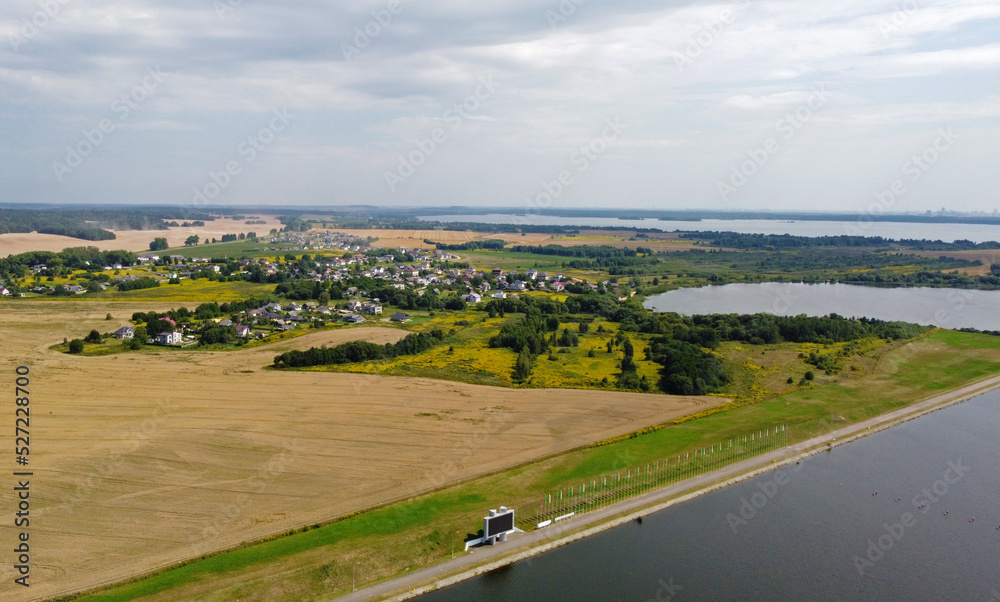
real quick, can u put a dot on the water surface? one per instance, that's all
(944, 307)
(810, 540)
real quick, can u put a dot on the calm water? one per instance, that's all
(804, 542)
(942, 232)
(950, 308)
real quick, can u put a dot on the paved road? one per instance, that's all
(521, 546)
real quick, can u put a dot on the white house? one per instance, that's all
(168, 337)
(125, 332)
(4, 292)
(473, 298)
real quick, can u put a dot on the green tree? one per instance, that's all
(192, 240)
(523, 365)
(76, 346)
(94, 337)
(158, 244)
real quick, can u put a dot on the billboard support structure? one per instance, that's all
(496, 526)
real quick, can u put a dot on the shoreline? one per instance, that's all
(467, 566)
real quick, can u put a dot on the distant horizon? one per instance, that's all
(501, 210)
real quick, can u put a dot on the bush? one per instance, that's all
(94, 337)
(76, 346)
(809, 375)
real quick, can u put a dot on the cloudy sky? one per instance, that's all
(753, 104)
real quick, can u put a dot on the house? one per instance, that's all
(484, 286)
(311, 305)
(168, 337)
(497, 272)
(400, 317)
(322, 309)
(273, 307)
(125, 332)
(4, 292)
(243, 330)
(293, 306)
(518, 285)
(499, 295)
(354, 319)
(146, 257)
(473, 298)
(372, 309)
(227, 322)
(354, 305)
(531, 274)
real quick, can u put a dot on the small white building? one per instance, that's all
(123, 333)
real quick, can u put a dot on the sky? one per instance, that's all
(869, 106)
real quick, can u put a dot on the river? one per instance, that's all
(948, 308)
(945, 232)
(812, 531)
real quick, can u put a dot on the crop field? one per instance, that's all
(320, 563)
(145, 459)
(132, 240)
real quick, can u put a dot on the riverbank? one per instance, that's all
(521, 547)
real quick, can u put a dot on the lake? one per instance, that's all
(820, 534)
(895, 230)
(945, 307)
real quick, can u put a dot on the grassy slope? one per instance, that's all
(385, 542)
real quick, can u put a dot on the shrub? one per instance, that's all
(76, 346)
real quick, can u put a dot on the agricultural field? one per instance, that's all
(323, 562)
(178, 454)
(132, 240)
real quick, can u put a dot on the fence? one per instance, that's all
(615, 487)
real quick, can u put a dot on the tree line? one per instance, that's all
(359, 351)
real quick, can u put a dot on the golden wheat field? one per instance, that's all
(144, 459)
(132, 240)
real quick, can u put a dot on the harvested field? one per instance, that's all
(131, 240)
(987, 256)
(142, 460)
